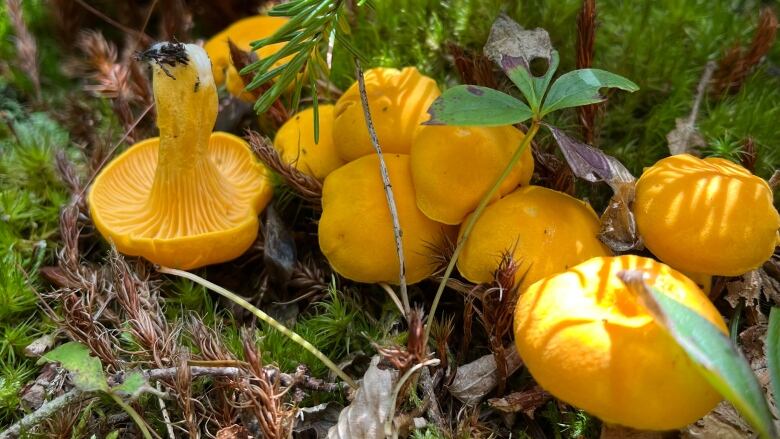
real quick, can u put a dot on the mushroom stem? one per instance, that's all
(529, 136)
(186, 100)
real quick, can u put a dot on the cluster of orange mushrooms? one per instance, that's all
(191, 198)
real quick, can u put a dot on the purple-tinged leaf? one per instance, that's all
(513, 49)
(475, 105)
(618, 225)
(590, 163)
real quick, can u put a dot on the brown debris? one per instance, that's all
(526, 401)
(307, 187)
(737, 63)
(473, 67)
(586, 39)
(122, 81)
(26, 47)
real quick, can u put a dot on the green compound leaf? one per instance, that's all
(772, 346)
(474, 105)
(721, 363)
(87, 370)
(581, 87)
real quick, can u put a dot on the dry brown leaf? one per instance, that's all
(722, 423)
(365, 417)
(475, 380)
(526, 401)
(753, 287)
(684, 138)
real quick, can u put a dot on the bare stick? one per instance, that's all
(166, 416)
(399, 246)
(44, 412)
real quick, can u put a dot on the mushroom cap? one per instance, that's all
(197, 222)
(356, 230)
(295, 143)
(590, 342)
(243, 32)
(546, 232)
(399, 101)
(453, 167)
(706, 216)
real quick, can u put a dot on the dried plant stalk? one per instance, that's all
(586, 39)
(737, 63)
(26, 47)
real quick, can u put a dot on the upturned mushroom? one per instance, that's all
(189, 197)
(356, 230)
(453, 167)
(590, 342)
(545, 232)
(398, 100)
(707, 216)
(296, 145)
(242, 33)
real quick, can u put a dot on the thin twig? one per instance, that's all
(44, 412)
(143, 37)
(701, 89)
(389, 430)
(473, 220)
(164, 410)
(397, 232)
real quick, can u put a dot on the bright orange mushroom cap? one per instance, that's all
(242, 33)
(545, 231)
(590, 342)
(453, 167)
(398, 100)
(190, 197)
(707, 216)
(295, 143)
(356, 230)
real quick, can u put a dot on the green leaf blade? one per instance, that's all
(471, 105)
(581, 87)
(772, 346)
(721, 363)
(75, 357)
(134, 383)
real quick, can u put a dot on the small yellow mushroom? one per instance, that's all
(356, 230)
(190, 197)
(242, 33)
(589, 341)
(545, 231)
(706, 216)
(453, 167)
(398, 100)
(295, 143)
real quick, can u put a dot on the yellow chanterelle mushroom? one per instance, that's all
(356, 230)
(589, 341)
(190, 197)
(398, 100)
(545, 232)
(707, 216)
(453, 167)
(242, 33)
(295, 143)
